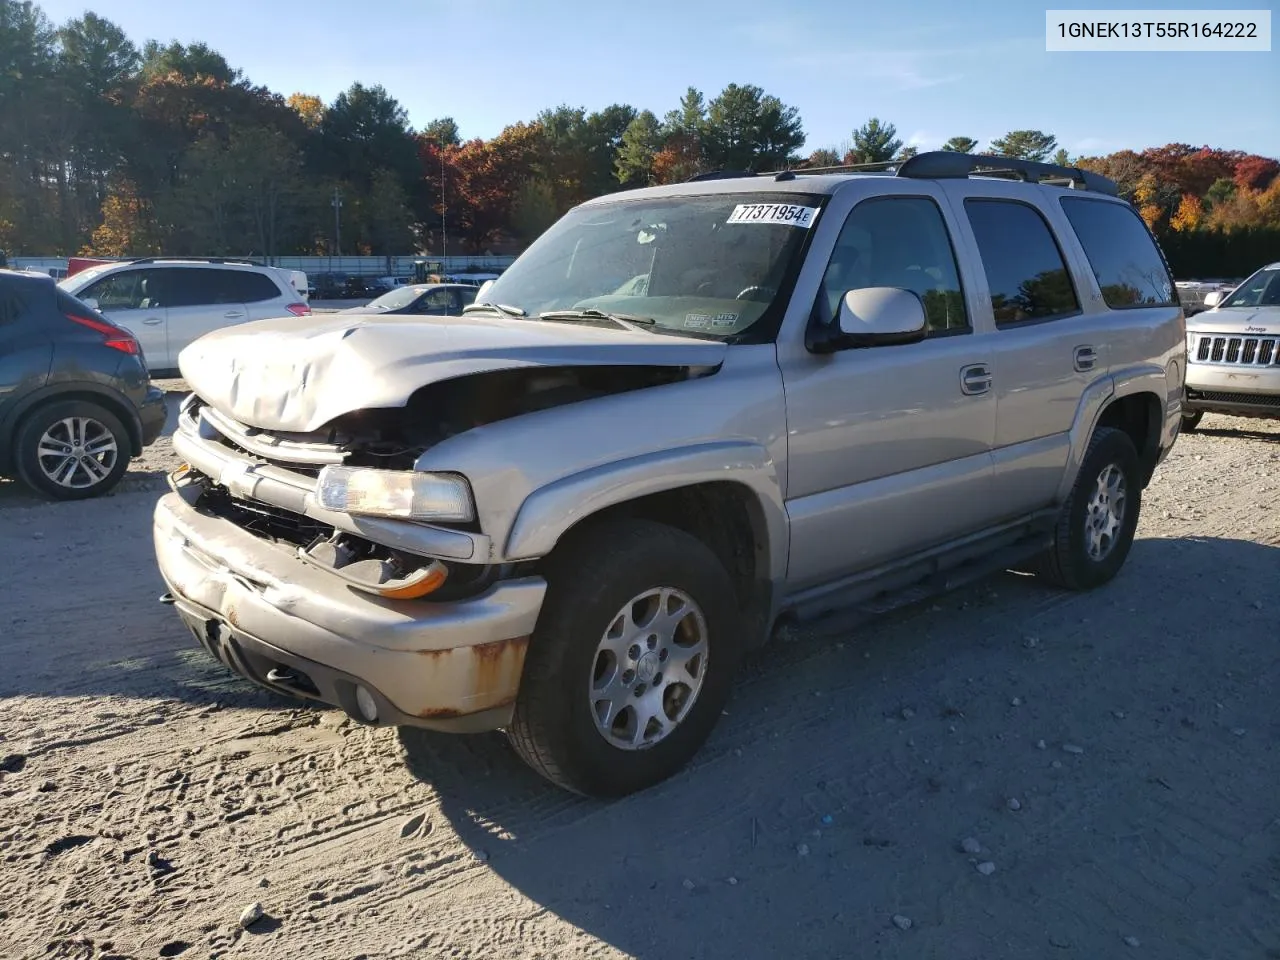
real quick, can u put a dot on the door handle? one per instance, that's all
(232, 314)
(975, 379)
(1086, 357)
(152, 321)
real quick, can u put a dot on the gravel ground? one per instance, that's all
(1008, 771)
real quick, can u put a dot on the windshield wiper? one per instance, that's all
(624, 320)
(502, 308)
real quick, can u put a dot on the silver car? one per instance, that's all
(683, 416)
(1233, 352)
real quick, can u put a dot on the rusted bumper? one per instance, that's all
(291, 627)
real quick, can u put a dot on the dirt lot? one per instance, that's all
(1111, 760)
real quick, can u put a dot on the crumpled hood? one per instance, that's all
(1260, 321)
(295, 374)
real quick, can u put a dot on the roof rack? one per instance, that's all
(720, 175)
(230, 260)
(945, 165)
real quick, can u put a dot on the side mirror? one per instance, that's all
(879, 317)
(91, 303)
(484, 288)
(1213, 298)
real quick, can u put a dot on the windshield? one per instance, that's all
(1260, 290)
(78, 281)
(702, 265)
(397, 299)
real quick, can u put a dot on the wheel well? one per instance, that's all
(1138, 415)
(727, 518)
(107, 402)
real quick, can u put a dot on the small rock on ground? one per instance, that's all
(1014, 803)
(250, 915)
(1132, 942)
(986, 868)
(802, 850)
(970, 845)
(1072, 748)
(901, 922)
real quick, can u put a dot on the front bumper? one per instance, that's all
(288, 626)
(1233, 389)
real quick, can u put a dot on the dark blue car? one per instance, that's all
(76, 399)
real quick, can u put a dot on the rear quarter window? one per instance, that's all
(1129, 268)
(252, 287)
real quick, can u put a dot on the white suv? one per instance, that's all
(168, 303)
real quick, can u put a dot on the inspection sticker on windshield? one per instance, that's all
(700, 321)
(784, 213)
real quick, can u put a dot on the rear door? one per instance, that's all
(1050, 343)
(201, 300)
(136, 300)
(260, 295)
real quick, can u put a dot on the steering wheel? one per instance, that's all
(745, 293)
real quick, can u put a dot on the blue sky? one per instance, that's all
(935, 68)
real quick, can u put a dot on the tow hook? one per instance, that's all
(167, 599)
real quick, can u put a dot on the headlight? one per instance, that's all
(396, 493)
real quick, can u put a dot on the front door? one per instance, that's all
(132, 299)
(889, 448)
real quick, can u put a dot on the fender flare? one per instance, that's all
(1096, 399)
(550, 511)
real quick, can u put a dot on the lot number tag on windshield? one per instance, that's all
(784, 213)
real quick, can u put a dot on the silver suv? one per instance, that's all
(683, 416)
(168, 303)
(1233, 352)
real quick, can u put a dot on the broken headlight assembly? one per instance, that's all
(404, 494)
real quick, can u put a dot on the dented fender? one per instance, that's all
(547, 513)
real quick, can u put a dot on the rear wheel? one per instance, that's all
(72, 450)
(631, 662)
(1097, 524)
(1191, 420)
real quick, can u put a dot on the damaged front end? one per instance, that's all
(321, 564)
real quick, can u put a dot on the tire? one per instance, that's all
(62, 423)
(1191, 420)
(1070, 562)
(593, 577)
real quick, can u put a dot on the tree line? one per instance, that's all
(113, 149)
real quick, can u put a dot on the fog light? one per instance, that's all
(366, 705)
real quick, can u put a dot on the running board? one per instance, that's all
(856, 600)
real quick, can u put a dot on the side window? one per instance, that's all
(898, 242)
(200, 287)
(1025, 269)
(10, 307)
(437, 302)
(1124, 258)
(118, 291)
(249, 287)
(468, 296)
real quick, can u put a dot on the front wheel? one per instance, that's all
(1096, 527)
(632, 659)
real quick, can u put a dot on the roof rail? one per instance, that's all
(945, 164)
(232, 260)
(720, 175)
(852, 167)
